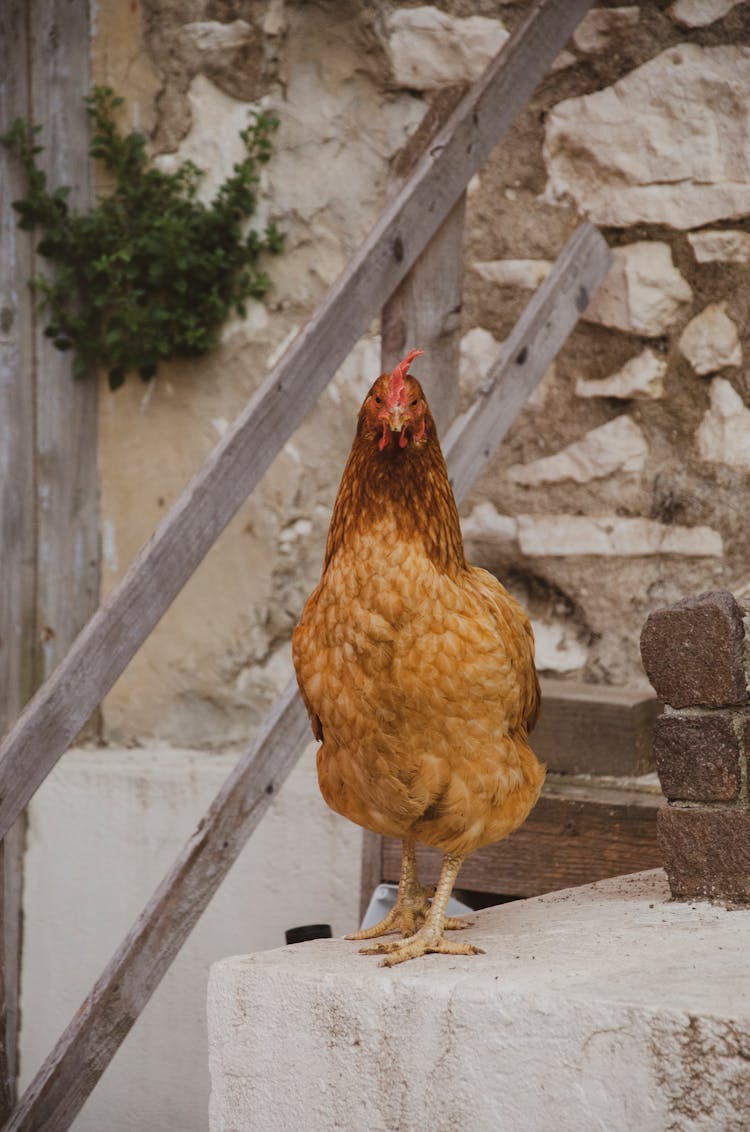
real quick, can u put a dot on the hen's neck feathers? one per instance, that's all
(412, 485)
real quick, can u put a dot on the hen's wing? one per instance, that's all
(514, 628)
(297, 640)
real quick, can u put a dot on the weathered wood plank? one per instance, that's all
(18, 649)
(425, 309)
(595, 729)
(66, 410)
(17, 422)
(92, 1038)
(525, 355)
(213, 496)
(576, 834)
(84, 1050)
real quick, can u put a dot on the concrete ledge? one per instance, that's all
(603, 1007)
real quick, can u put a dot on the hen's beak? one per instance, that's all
(396, 419)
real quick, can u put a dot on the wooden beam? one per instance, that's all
(84, 1050)
(525, 355)
(595, 728)
(92, 1038)
(66, 410)
(117, 630)
(48, 489)
(576, 834)
(17, 401)
(425, 309)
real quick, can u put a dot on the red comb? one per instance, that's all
(396, 384)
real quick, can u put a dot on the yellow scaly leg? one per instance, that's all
(428, 939)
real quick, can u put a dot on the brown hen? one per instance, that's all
(417, 669)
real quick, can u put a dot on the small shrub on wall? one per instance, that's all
(149, 272)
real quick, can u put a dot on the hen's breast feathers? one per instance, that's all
(425, 687)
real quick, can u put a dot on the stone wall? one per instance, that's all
(697, 657)
(618, 488)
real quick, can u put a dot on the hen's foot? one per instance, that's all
(406, 916)
(424, 942)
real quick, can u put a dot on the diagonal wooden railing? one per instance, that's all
(124, 988)
(65, 701)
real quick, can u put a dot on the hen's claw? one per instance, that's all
(423, 943)
(407, 919)
(406, 916)
(457, 923)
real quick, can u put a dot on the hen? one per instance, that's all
(417, 669)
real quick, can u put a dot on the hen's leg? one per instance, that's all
(412, 901)
(429, 938)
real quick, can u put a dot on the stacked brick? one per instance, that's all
(695, 654)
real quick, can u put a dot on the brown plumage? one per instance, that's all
(417, 669)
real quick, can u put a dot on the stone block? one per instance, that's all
(609, 1007)
(618, 445)
(693, 652)
(706, 851)
(641, 378)
(724, 433)
(698, 757)
(710, 341)
(621, 151)
(644, 292)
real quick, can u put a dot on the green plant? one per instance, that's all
(149, 272)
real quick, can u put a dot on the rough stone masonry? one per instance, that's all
(695, 653)
(617, 490)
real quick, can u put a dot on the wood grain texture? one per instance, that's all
(595, 729)
(86, 1047)
(17, 400)
(425, 311)
(119, 627)
(66, 409)
(18, 636)
(577, 833)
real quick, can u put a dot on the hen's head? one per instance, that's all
(395, 409)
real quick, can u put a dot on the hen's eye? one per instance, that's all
(414, 403)
(378, 400)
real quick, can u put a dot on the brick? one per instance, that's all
(693, 652)
(698, 757)
(706, 851)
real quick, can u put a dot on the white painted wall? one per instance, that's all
(103, 830)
